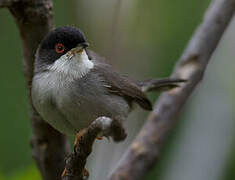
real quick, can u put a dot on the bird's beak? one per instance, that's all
(79, 48)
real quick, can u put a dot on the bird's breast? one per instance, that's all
(50, 95)
(77, 101)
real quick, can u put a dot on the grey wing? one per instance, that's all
(121, 85)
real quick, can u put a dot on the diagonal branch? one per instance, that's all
(34, 19)
(145, 149)
(75, 164)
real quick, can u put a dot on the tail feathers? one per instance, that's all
(160, 84)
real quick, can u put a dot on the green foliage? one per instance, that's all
(30, 173)
(15, 124)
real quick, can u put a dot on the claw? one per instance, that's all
(99, 138)
(64, 173)
(78, 136)
(86, 172)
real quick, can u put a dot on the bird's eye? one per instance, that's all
(59, 48)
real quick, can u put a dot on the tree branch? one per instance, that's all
(34, 19)
(145, 149)
(75, 164)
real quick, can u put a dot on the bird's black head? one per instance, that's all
(58, 42)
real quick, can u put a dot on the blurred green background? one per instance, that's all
(142, 39)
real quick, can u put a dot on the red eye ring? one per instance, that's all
(59, 48)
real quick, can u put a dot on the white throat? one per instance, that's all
(76, 66)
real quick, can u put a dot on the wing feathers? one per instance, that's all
(121, 85)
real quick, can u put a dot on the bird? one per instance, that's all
(72, 86)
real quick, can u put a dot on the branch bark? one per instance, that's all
(34, 19)
(144, 152)
(103, 126)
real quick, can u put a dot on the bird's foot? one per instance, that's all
(86, 173)
(99, 138)
(64, 173)
(78, 136)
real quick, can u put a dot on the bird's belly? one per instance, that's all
(70, 108)
(85, 100)
(44, 102)
(81, 112)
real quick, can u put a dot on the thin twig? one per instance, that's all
(145, 149)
